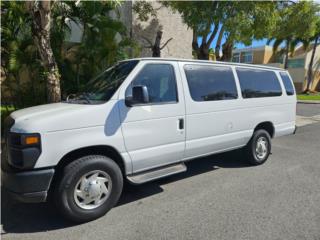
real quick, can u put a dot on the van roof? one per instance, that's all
(206, 61)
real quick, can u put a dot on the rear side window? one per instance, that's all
(160, 81)
(287, 83)
(210, 83)
(257, 83)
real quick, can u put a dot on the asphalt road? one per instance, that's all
(219, 197)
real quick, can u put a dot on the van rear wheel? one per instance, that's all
(259, 147)
(89, 187)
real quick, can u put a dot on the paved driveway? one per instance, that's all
(308, 110)
(219, 197)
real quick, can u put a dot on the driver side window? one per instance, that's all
(160, 82)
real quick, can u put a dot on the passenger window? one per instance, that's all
(257, 83)
(287, 83)
(160, 81)
(210, 83)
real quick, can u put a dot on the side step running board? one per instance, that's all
(157, 173)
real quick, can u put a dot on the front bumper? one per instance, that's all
(28, 186)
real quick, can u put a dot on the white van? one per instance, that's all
(138, 121)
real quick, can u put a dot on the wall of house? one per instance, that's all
(263, 56)
(171, 25)
(258, 57)
(298, 76)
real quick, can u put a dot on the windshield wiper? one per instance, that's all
(82, 96)
(85, 95)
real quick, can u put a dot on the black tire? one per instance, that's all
(250, 149)
(64, 190)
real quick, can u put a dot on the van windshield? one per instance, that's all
(101, 88)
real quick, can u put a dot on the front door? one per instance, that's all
(154, 133)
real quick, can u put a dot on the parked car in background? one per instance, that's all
(138, 121)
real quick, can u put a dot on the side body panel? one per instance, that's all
(217, 126)
(151, 132)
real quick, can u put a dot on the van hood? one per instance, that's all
(58, 116)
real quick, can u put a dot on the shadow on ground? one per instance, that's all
(28, 218)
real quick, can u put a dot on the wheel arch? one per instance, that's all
(268, 126)
(104, 150)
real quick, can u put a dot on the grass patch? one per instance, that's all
(7, 109)
(309, 97)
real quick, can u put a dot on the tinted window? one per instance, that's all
(256, 83)
(160, 81)
(287, 83)
(210, 83)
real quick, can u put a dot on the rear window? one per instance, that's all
(287, 83)
(257, 83)
(210, 83)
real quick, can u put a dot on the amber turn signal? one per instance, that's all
(31, 140)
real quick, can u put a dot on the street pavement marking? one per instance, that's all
(303, 121)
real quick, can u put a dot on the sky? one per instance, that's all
(255, 43)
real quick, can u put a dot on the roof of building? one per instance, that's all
(206, 61)
(249, 49)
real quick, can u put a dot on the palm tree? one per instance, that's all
(316, 40)
(40, 12)
(19, 55)
(104, 41)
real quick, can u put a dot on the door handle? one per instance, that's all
(181, 123)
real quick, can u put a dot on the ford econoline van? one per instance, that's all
(138, 121)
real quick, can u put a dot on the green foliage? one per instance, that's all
(144, 10)
(104, 41)
(297, 22)
(19, 58)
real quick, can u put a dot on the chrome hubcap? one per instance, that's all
(93, 189)
(261, 148)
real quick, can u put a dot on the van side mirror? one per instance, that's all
(140, 95)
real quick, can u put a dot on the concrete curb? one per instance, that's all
(309, 101)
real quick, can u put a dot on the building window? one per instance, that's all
(247, 57)
(296, 63)
(236, 57)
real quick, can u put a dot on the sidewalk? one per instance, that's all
(309, 101)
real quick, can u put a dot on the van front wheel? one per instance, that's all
(259, 147)
(89, 187)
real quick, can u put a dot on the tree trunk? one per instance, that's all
(156, 51)
(227, 51)
(286, 57)
(309, 75)
(218, 45)
(41, 23)
(203, 53)
(195, 45)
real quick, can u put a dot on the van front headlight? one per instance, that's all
(23, 149)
